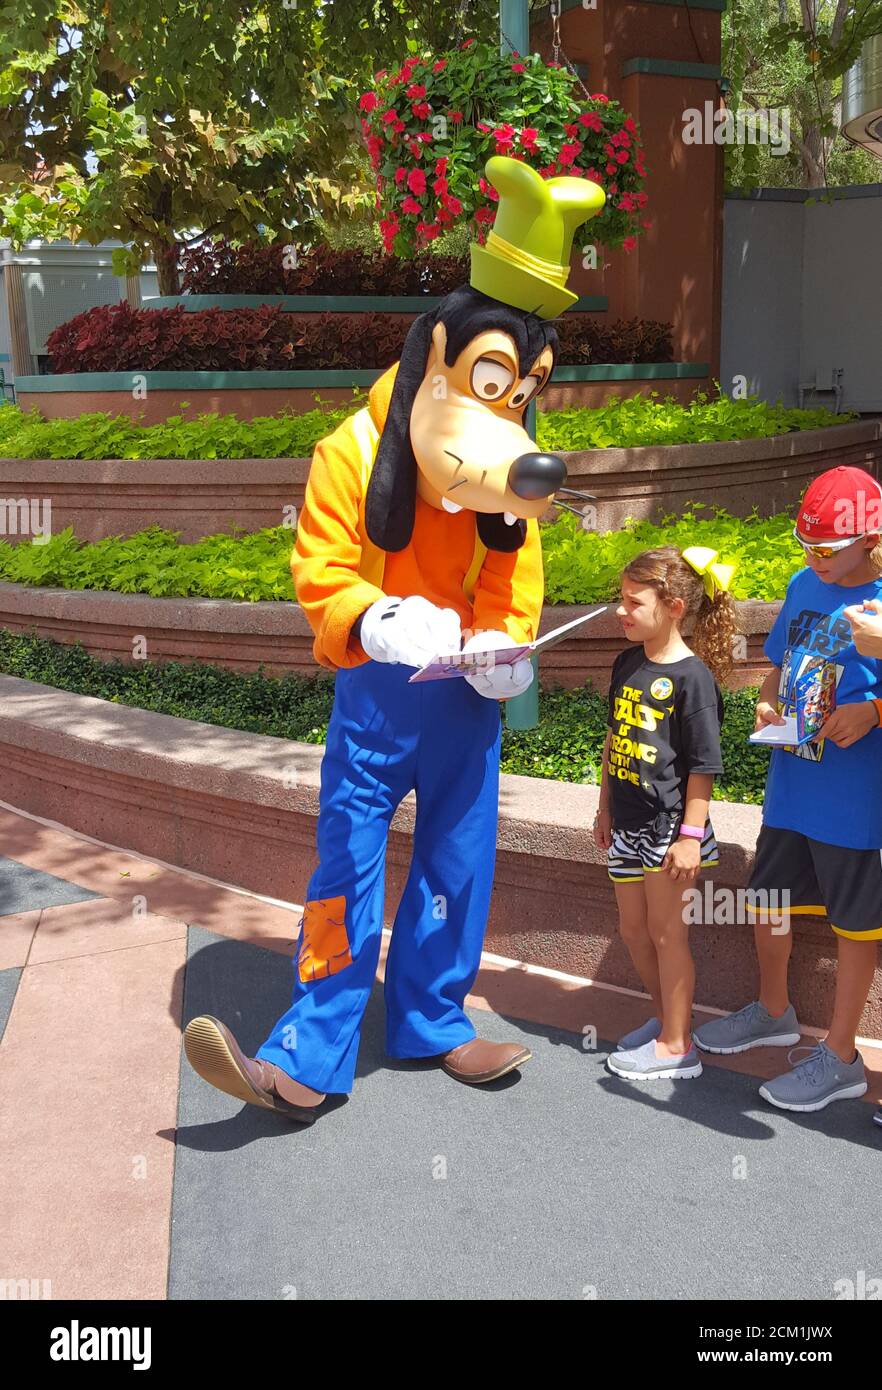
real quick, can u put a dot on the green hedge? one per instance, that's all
(634, 421)
(580, 566)
(566, 745)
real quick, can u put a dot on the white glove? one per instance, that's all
(410, 630)
(495, 681)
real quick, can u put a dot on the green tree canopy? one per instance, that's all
(143, 120)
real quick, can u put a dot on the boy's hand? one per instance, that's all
(848, 723)
(603, 828)
(683, 859)
(766, 714)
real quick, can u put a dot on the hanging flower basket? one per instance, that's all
(431, 127)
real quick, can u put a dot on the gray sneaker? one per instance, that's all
(642, 1064)
(647, 1032)
(816, 1081)
(751, 1026)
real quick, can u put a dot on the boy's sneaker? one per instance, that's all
(647, 1032)
(816, 1081)
(643, 1064)
(877, 1118)
(752, 1026)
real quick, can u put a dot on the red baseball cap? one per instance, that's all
(844, 502)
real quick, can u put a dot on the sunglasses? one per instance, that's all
(828, 549)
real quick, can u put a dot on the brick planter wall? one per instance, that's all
(243, 636)
(202, 497)
(242, 808)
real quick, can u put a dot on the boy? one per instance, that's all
(821, 838)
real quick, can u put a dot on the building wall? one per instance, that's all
(802, 294)
(660, 59)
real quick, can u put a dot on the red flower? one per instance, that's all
(485, 215)
(440, 65)
(518, 67)
(629, 243)
(440, 185)
(441, 165)
(425, 137)
(630, 124)
(410, 205)
(611, 168)
(568, 153)
(622, 157)
(528, 138)
(452, 204)
(599, 96)
(389, 116)
(415, 92)
(468, 43)
(571, 131)
(591, 120)
(504, 134)
(416, 182)
(368, 101)
(415, 148)
(456, 117)
(400, 175)
(421, 110)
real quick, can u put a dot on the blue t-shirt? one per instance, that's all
(828, 793)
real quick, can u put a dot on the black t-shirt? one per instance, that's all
(665, 722)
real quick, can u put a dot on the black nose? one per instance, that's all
(536, 475)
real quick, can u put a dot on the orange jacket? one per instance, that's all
(328, 555)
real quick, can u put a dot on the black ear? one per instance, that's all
(390, 506)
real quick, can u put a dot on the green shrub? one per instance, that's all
(250, 566)
(585, 566)
(635, 421)
(566, 745)
(580, 566)
(101, 436)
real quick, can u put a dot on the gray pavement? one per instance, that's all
(23, 889)
(563, 1183)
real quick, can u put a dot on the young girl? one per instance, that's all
(659, 761)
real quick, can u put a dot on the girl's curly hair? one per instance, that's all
(713, 620)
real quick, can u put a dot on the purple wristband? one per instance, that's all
(693, 831)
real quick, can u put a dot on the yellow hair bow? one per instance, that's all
(704, 561)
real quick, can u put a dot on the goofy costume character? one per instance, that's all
(419, 527)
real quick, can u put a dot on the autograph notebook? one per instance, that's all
(446, 666)
(811, 700)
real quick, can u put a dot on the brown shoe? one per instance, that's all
(479, 1060)
(213, 1052)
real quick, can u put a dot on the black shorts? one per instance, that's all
(822, 880)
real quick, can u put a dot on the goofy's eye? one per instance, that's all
(526, 390)
(490, 379)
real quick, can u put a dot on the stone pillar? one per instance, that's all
(133, 290)
(22, 361)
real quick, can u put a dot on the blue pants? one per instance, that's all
(386, 738)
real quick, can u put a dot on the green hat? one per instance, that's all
(526, 260)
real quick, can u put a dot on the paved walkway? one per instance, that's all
(125, 1176)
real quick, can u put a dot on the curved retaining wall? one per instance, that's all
(152, 397)
(202, 497)
(277, 636)
(242, 808)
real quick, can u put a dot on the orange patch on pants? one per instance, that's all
(325, 947)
